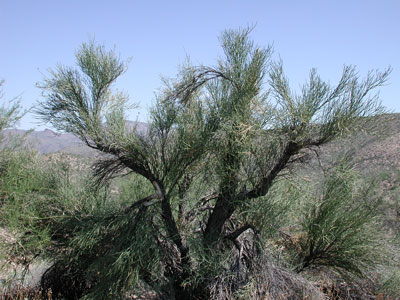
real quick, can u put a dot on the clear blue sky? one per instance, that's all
(157, 35)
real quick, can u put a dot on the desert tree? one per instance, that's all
(217, 140)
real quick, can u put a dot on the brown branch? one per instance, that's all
(265, 183)
(203, 201)
(203, 75)
(235, 234)
(170, 223)
(146, 201)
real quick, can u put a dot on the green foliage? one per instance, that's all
(390, 280)
(23, 184)
(10, 113)
(41, 203)
(271, 212)
(88, 89)
(50, 210)
(115, 256)
(339, 228)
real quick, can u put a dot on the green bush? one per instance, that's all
(41, 204)
(24, 182)
(339, 226)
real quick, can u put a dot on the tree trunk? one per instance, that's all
(222, 211)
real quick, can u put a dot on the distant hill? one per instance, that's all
(48, 141)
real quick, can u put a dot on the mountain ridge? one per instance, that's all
(48, 141)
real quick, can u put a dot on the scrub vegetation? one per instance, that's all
(209, 202)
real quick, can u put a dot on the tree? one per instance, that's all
(218, 139)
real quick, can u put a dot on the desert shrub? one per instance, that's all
(10, 111)
(23, 182)
(339, 225)
(218, 141)
(41, 206)
(48, 210)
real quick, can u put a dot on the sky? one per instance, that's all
(158, 36)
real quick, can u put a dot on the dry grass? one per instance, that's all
(24, 293)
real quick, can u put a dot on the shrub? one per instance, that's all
(339, 226)
(236, 127)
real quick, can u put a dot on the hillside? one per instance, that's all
(374, 150)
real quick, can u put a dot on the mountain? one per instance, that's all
(48, 141)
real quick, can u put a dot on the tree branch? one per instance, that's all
(203, 201)
(146, 201)
(265, 183)
(235, 234)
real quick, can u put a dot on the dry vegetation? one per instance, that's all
(233, 191)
